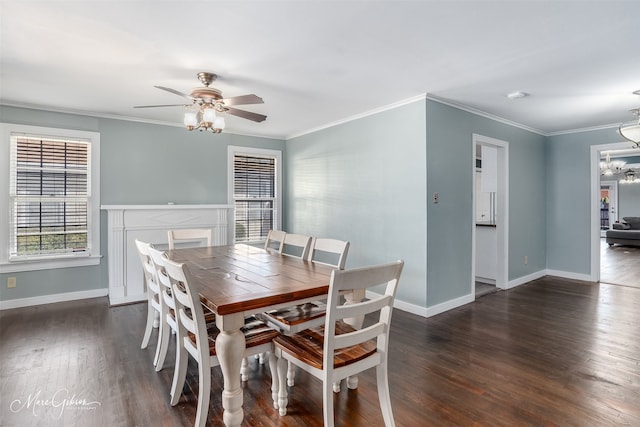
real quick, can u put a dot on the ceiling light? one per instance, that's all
(207, 104)
(632, 132)
(517, 95)
(608, 167)
(630, 177)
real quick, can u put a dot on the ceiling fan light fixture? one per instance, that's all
(209, 115)
(206, 103)
(190, 120)
(218, 124)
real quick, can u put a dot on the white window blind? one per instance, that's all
(50, 187)
(254, 194)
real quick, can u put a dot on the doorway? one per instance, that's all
(608, 205)
(490, 215)
(605, 211)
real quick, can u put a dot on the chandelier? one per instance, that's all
(608, 167)
(632, 132)
(630, 177)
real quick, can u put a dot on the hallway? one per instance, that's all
(619, 265)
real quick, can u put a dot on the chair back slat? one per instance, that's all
(158, 259)
(201, 236)
(190, 314)
(147, 266)
(358, 336)
(362, 308)
(275, 241)
(296, 245)
(331, 252)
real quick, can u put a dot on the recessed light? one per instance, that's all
(517, 95)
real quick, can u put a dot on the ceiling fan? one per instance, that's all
(207, 101)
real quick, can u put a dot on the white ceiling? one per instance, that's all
(321, 62)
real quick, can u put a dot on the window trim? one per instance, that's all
(232, 151)
(49, 262)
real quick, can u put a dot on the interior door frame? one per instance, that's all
(502, 211)
(596, 153)
(613, 200)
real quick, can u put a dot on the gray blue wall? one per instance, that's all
(364, 181)
(568, 198)
(139, 164)
(450, 173)
(369, 181)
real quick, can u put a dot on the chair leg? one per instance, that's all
(179, 372)
(291, 374)
(383, 395)
(149, 325)
(163, 345)
(352, 382)
(204, 393)
(275, 381)
(327, 403)
(282, 380)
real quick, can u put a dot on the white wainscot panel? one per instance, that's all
(150, 223)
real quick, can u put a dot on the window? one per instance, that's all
(254, 192)
(51, 190)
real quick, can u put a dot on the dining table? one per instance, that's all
(240, 280)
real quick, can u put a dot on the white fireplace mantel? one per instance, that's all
(150, 224)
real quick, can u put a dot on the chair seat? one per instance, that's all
(255, 332)
(292, 316)
(308, 344)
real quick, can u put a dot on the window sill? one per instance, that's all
(49, 264)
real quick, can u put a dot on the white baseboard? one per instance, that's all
(570, 275)
(426, 311)
(49, 299)
(450, 305)
(525, 279)
(129, 299)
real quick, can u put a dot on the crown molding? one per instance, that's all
(358, 116)
(118, 117)
(484, 114)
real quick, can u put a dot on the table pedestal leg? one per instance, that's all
(352, 298)
(230, 346)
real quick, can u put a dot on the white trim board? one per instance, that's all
(50, 299)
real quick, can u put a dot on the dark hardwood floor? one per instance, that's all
(550, 352)
(620, 264)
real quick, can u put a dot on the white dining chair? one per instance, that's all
(153, 293)
(338, 351)
(189, 237)
(296, 245)
(195, 340)
(291, 320)
(331, 252)
(274, 242)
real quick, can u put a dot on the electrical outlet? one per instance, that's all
(11, 282)
(526, 260)
(436, 197)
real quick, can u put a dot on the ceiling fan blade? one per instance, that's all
(243, 100)
(166, 105)
(245, 114)
(175, 92)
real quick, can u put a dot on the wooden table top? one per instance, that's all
(236, 278)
